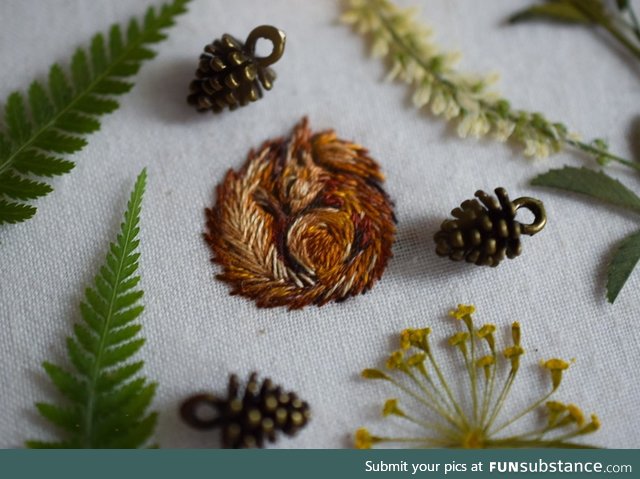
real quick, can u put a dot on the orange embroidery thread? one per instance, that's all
(305, 221)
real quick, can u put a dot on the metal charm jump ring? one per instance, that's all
(537, 208)
(275, 36)
(188, 411)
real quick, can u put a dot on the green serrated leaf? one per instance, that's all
(122, 334)
(108, 276)
(125, 317)
(97, 303)
(19, 188)
(67, 419)
(5, 146)
(118, 354)
(104, 288)
(622, 264)
(131, 259)
(69, 385)
(154, 37)
(16, 117)
(41, 165)
(557, 11)
(61, 114)
(595, 184)
(115, 399)
(87, 338)
(95, 105)
(55, 142)
(77, 123)
(127, 285)
(111, 261)
(15, 212)
(138, 403)
(126, 69)
(139, 434)
(129, 299)
(142, 53)
(41, 106)
(133, 31)
(80, 69)
(93, 319)
(149, 18)
(112, 378)
(112, 87)
(129, 251)
(115, 41)
(82, 361)
(61, 92)
(129, 270)
(110, 403)
(99, 60)
(134, 407)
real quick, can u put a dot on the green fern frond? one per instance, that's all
(54, 119)
(106, 402)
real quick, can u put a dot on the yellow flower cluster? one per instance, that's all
(419, 376)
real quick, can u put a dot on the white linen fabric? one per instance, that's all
(197, 334)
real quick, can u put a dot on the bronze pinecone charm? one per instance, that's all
(249, 420)
(486, 231)
(230, 75)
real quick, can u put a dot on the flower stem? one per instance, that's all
(488, 391)
(524, 412)
(472, 368)
(438, 427)
(447, 389)
(426, 425)
(525, 443)
(601, 153)
(501, 398)
(438, 396)
(436, 404)
(426, 441)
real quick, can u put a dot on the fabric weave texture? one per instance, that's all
(197, 334)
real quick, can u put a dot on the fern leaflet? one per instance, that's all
(107, 402)
(54, 119)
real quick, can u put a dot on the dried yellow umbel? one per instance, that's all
(305, 221)
(451, 421)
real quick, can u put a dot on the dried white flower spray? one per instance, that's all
(467, 98)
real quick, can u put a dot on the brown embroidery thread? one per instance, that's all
(305, 221)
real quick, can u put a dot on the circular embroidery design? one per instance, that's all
(305, 221)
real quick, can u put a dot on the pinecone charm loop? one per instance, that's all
(229, 73)
(485, 230)
(250, 419)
